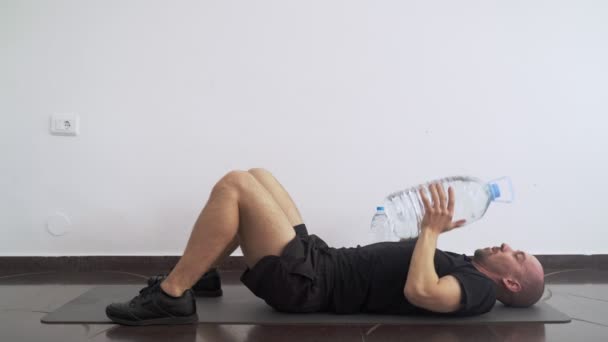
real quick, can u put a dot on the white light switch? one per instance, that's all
(64, 124)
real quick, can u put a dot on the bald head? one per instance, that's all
(518, 275)
(532, 282)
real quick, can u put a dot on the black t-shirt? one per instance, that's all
(372, 278)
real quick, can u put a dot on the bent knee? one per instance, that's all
(235, 179)
(258, 171)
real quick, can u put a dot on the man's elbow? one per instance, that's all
(444, 298)
(412, 289)
(413, 295)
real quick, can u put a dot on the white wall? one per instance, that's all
(345, 101)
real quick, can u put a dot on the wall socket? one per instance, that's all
(64, 124)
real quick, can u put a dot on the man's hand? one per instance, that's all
(438, 218)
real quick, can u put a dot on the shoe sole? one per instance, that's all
(159, 321)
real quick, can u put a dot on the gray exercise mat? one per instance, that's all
(239, 306)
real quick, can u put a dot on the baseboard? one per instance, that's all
(22, 264)
(92, 263)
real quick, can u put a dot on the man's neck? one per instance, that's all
(481, 269)
(488, 274)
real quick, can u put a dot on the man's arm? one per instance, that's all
(422, 274)
(423, 287)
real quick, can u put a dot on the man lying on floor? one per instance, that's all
(296, 272)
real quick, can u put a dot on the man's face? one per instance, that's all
(504, 260)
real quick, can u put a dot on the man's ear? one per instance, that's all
(511, 284)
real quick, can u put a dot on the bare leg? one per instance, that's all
(232, 246)
(239, 210)
(279, 194)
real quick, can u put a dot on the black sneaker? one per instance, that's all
(154, 306)
(209, 285)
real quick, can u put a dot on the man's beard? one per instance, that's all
(479, 255)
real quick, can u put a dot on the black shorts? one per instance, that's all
(294, 281)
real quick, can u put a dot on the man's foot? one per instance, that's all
(209, 285)
(154, 306)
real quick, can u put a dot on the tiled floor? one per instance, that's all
(25, 298)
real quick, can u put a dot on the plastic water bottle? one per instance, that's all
(472, 196)
(381, 229)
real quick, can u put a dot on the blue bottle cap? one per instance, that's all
(379, 208)
(494, 191)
